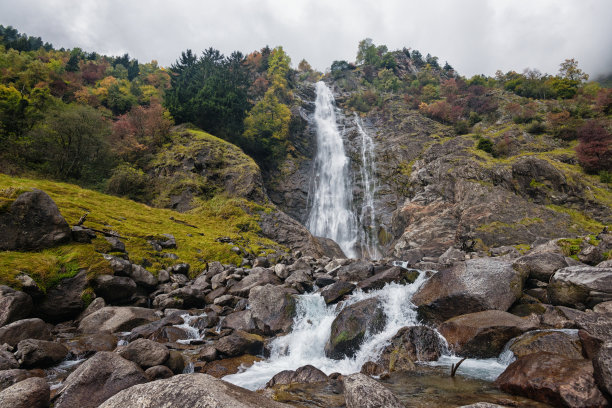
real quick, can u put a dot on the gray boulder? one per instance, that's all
(350, 326)
(394, 274)
(14, 305)
(540, 266)
(361, 391)
(30, 393)
(13, 376)
(273, 308)
(471, 286)
(355, 271)
(32, 221)
(580, 286)
(97, 379)
(142, 277)
(303, 375)
(114, 289)
(189, 390)
(114, 319)
(602, 367)
(409, 345)
(8, 360)
(40, 353)
(257, 277)
(239, 343)
(336, 291)
(24, 329)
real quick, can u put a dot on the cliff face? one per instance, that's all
(435, 189)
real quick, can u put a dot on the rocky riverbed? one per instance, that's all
(387, 334)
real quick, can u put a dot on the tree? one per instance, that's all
(304, 66)
(569, 70)
(367, 53)
(595, 147)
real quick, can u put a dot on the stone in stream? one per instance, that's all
(350, 326)
(355, 271)
(40, 353)
(145, 353)
(361, 391)
(336, 291)
(13, 376)
(303, 375)
(114, 319)
(97, 379)
(409, 345)
(273, 308)
(189, 390)
(553, 379)
(158, 372)
(30, 393)
(552, 341)
(239, 343)
(7, 360)
(484, 334)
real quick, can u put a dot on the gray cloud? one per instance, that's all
(475, 36)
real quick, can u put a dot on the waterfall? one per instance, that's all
(368, 234)
(331, 214)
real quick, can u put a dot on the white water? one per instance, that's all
(368, 234)
(311, 330)
(331, 215)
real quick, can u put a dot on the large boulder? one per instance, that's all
(40, 353)
(24, 329)
(115, 319)
(242, 320)
(142, 277)
(409, 345)
(540, 266)
(30, 393)
(467, 287)
(350, 326)
(303, 375)
(13, 376)
(14, 305)
(257, 277)
(146, 353)
(189, 390)
(361, 391)
(580, 286)
(32, 221)
(566, 343)
(553, 379)
(484, 334)
(602, 365)
(97, 379)
(272, 308)
(64, 301)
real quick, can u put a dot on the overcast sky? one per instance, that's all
(475, 36)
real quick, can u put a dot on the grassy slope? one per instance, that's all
(195, 231)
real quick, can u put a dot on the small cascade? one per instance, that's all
(331, 214)
(311, 330)
(368, 236)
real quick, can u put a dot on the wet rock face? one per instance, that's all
(553, 379)
(33, 221)
(349, 327)
(29, 393)
(336, 291)
(580, 286)
(189, 390)
(409, 345)
(484, 334)
(361, 391)
(471, 286)
(564, 343)
(97, 379)
(14, 305)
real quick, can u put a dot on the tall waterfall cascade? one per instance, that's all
(367, 217)
(331, 214)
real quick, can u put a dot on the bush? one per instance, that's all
(129, 182)
(485, 145)
(462, 127)
(536, 128)
(595, 148)
(605, 177)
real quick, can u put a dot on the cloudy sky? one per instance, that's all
(475, 36)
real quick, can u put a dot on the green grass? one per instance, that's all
(196, 232)
(580, 221)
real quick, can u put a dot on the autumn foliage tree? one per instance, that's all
(595, 147)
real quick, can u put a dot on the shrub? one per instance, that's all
(605, 176)
(462, 127)
(128, 181)
(485, 145)
(595, 148)
(536, 128)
